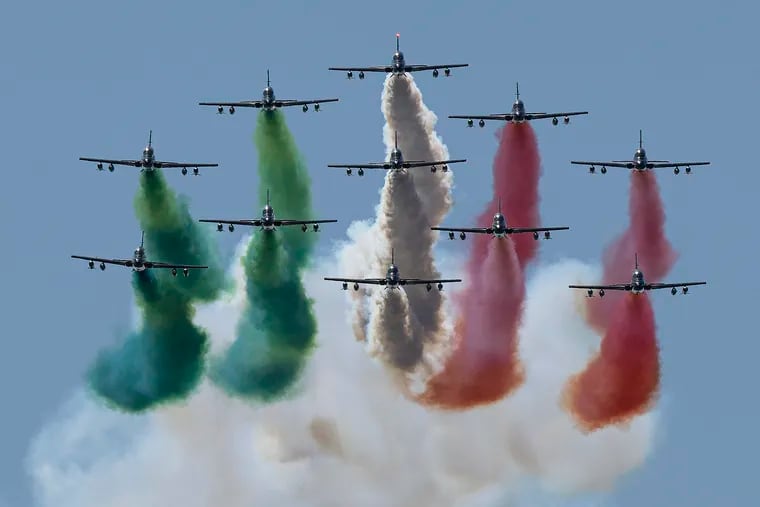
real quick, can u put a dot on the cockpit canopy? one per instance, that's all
(148, 153)
(518, 107)
(638, 277)
(641, 153)
(268, 92)
(498, 221)
(139, 252)
(392, 272)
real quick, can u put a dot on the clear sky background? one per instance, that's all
(91, 78)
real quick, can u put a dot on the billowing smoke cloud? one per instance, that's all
(347, 438)
(164, 358)
(276, 332)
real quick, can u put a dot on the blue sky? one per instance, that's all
(90, 79)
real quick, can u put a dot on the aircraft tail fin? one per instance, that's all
(395, 139)
(393, 261)
(267, 197)
(150, 138)
(499, 204)
(267, 78)
(142, 239)
(641, 139)
(636, 259)
(397, 43)
(517, 91)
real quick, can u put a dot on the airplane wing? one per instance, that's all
(617, 286)
(655, 164)
(477, 230)
(379, 68)
(286, 103)
(418, 163)
(418, 68)
(243, 103)
(500, 116)
(417, 281)
(655, 286)
(280, 223)
(518, 230)
(164, 265)
(625, 164)
(251, 223)
(372, 281)
(132, 163)
(118, 262)
(370, 165)
(539, 116)
(167, 165)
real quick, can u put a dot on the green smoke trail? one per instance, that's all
(277, 329)
(163, 360)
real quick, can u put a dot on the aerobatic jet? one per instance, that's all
(148, 161)
(640, 162)
(138, 262)
(499, 229)
(268, 102)
(518, 114)
(392, 280)
(637, 285)
(399, 67)
(267, 222)
(397, 163)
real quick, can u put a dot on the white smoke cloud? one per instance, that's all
(347, 437)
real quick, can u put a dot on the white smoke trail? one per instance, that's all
(347, 438)
(410, 203)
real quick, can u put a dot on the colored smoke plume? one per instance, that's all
(646, 236)
(516, 171)
(622, 380)
(483, 366)
(164, 358)
(276, 332)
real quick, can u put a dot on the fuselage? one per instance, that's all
(148, 158)
(397, 159)
(640, 159)
(392, 276)
(398, 64)
(267, 218)
(138, 259)
(518, 111)
(637, 282)
(499, 225)
(267, 97)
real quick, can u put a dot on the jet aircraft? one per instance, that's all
(637, 285)
(640, 162)
(499, 228)
(268, 102)
(392, 280)
(397, 163)
(267, 222)
(518, 114)
(138, 262)
(148, 161)
(399, 67)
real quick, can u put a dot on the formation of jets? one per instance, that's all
(499, 228)
(518, 114)
(393, 280)
(269, 223)
(399, 67)
(640, 162)
(148, 161)
(138, 262)
(637, 285)
(396, 162)
(268, 102)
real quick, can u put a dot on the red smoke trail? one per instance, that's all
(622, 380)
(646, 236)
(516, 170)
(484, 367)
